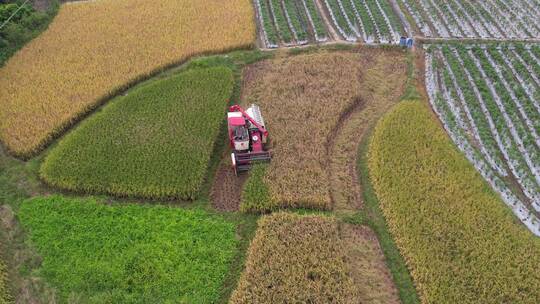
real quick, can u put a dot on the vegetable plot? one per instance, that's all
(97, 253)
(156, 142)
(487, 99)
(370, 21)
(515, 19)
(290, 22)
(460, 242)
(94, 49)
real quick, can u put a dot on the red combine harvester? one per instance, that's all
(248, 137)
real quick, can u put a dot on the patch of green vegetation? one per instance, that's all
(256, 194)
(24, 26)
(96, 253)
(156, 142)
(411, 92)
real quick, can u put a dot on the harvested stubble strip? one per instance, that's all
(460, 242)
(94, 49)
(156, 142)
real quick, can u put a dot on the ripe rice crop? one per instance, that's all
(92, 50)
(303, 99)
(156, 142)
(460, 242)
(295, 259)
(96, 253)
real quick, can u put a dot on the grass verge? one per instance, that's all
(130, 254)
(461, 243)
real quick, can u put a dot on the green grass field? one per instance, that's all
(459, 240)
(94, 253)
(154, 143)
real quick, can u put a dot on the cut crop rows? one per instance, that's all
(294, 22)
(290, 22)
(365, 20)
(515, 19)
(487, 99)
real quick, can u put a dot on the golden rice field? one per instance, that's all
(92, 50)
(460, 241)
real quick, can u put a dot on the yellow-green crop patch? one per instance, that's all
(155, 142)
(96, 253)
(459, 240)
(295, 259)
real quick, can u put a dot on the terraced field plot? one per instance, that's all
(501, 19)
(310, 259)
(487, 98)
(460, 242)
(95, 49)
(96, 253)
(156, 142)
(297, 22)
(319, 92)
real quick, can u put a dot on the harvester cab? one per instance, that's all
(248, 137)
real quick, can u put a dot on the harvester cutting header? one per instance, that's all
(248, 137)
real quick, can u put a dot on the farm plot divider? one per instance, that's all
(487, 99)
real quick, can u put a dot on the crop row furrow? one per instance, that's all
(514, 157)
(376, 26)
(294, 22)
(513, 123)
(455, 30)
(487, 146)
(448, 119)
(439, 27)
(281, 22)
(460, 19)
(362, 25)
(417, 16)
(393, 31)
(519, 103)
(341, 24)
(269, 34)
(315, 20)
(518, 13)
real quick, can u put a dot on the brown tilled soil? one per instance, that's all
(226, 190)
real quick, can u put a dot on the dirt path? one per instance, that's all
(226, 192)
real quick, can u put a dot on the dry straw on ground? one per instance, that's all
(303, 99)
(94, 49)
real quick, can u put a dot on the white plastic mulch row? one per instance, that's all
(517, 206)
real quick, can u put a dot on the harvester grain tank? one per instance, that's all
(248, 137)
